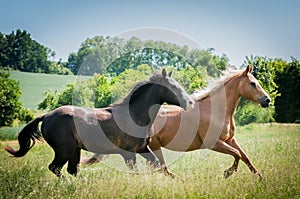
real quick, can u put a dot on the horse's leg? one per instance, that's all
(97, 157)
(73, 163)
(155, 146)
(151, 159)
(158, 153)
(56, 165)
(232, 142)
(130, 160)
(223, 147)
(63, 152)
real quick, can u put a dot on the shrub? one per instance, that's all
(10, 106)
(250, 112)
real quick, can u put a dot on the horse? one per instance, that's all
(123, 127)
(210, 125)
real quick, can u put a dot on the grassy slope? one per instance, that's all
(273, 148)
(34, 85)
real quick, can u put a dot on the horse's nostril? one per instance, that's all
(268, 100)
(190, 102)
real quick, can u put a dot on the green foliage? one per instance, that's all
(11, 107)
(10, 103)
(92, 92)
(287, 105)
(25, 115)
(114, 55)
(251, 113)
(59, 68)
(280, 79)
(101, 91)
(34, 85)
(191, 78)
(10, 133)
(123, 83)
(265, 72)
(75, 93)
(19, 52)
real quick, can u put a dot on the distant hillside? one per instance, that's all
(33, 85)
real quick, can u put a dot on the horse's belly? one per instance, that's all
(93, 138)
(107, 138)
(179, 137)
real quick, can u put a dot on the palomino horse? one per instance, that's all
(210, 125)
(122, 128)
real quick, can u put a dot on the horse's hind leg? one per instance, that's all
(63, 153)
(73, 163)
(57, 164)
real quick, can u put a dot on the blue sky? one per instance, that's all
(236, 28)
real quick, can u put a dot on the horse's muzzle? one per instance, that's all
(264, 101)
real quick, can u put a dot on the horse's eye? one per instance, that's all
(253, 84)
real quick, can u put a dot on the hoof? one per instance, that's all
(259, 175)
(167, 172)
(228, 172)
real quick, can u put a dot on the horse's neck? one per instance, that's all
(232, 95)
(224, 100)
(144, 111)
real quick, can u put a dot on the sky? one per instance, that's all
(236, 28)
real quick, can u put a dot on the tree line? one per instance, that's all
(18, 51)
(115, 64)
(114, 55)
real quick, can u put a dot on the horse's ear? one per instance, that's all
(249, 69)
(170, 73)
(164, 73)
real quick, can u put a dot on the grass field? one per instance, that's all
(273, 148)
(33, 86)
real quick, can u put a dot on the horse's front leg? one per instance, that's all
(161, 159)
(130, 160)
(150, 157)
(223, 147)
(232, 142)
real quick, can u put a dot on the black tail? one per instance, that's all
(28, 133)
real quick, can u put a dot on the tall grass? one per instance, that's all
(273, 148)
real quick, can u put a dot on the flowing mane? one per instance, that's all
(136, 89)
(215, 84)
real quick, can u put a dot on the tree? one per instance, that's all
(192, 78)
(114, 55)
(287, 105)
(19, 52)
(10, 106)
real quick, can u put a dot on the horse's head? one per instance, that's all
(251, 89)
(172, 92)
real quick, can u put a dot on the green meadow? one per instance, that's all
(273, 148)
(33, 86)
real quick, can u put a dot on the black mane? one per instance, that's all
(135, 91)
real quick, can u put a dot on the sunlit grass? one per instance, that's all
(273, 148)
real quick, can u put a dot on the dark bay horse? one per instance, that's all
(122, 128)
(210, 125)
